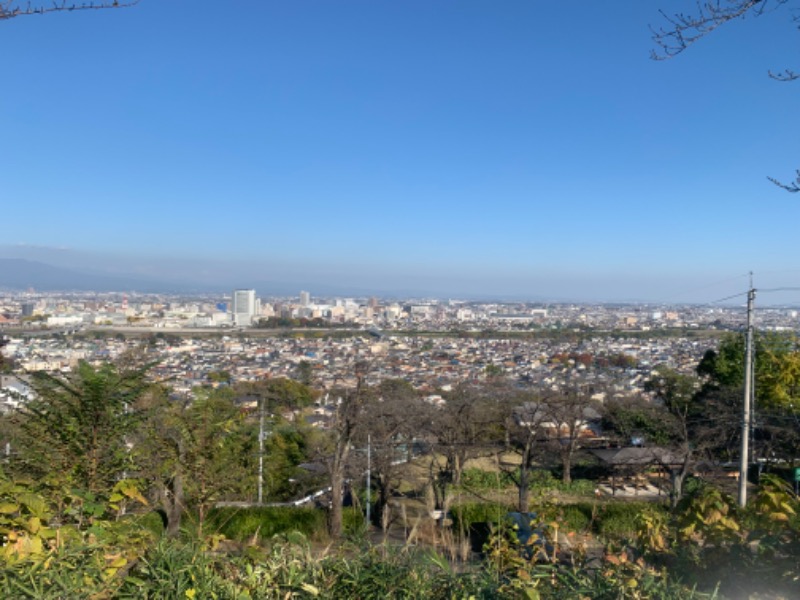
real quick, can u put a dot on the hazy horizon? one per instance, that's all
(282, 280)
(454, 148)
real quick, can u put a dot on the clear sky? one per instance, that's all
(497, 148)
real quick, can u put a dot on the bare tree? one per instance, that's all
(568, 415)
(526, 437)
(14, 8)
(348, 419)
(683, 30)
(393, 415)
(677, 394)
(468, 425)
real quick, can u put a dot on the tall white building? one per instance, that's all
(244, 307)
(305, 298)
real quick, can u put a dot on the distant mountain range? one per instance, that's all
(22, 274)
(19, 274)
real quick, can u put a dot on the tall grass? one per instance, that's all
(245, 524)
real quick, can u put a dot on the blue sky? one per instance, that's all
(519, 148)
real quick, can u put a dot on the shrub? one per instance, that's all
(575, 517)
(354, 523)
(466, 515)
(480, 480)
(152, 522)
(242, 524)
(618, 520)
(545, 481)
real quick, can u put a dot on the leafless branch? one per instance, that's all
(789, 187)
(786, 75)
(683, 30)
(13, 8)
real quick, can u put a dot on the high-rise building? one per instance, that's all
(305, 298)
(244, 307)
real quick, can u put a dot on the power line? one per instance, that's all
(739, 295)
(780, 289)
(708, 285)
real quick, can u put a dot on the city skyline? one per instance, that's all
(457, 148)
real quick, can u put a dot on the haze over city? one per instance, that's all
(527, 149)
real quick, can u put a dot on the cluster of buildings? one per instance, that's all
(243, 309)
(432, 344)
(429, 363)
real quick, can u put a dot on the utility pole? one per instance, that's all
(261, 451)
(748, 394)
(369, 478)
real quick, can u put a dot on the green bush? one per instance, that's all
(480, 480)
(242, 524)
(354, 523)
(152, 522)
(575, 517)
(617, 520)
(546, 481)
(172, 569)
(465, 515)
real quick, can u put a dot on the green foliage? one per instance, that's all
(481, 480)
(522, 574)
(284, 450)
(279, 393)
(385, 573)
(619, 521)
(23, 522)
(44, 557)
(354, 523)
(207, 446)
(675, 390)
(76, 428)
(540, 481)
(493, 371)
(467, 514)
(543, 481)
(302, 322)
(264, 522)
(709, 540)
(708, 518)
(775, 508)
(219, 377)
(73, 572)
(305, 373)
(151, 522)
(777, 368)
(575, 517)
(639, 417)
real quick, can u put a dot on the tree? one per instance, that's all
(568, 415)
(777, 368)
(348, 419)
(305, 373)
(79, 425)
(676, 393)
(636, 418)
(777, 391)
(279, 393)
(526, 436)
(683, 30)
(14, 8)
(4, 362)
(196, 453)
(468, 425)
(394, 414)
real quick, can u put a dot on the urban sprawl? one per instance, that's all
(432, 344)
